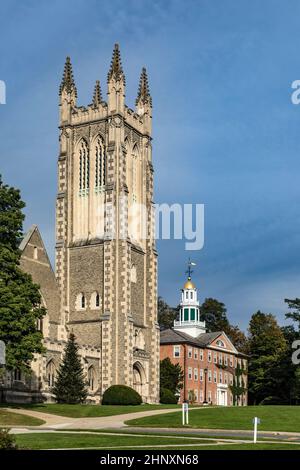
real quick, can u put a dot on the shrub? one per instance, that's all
(167, 396)
(7, 441)
(121, 395)
(273, 400)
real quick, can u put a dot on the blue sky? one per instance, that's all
(225, 131)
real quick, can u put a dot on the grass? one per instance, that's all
(273, 418)
(89, 411)
(36, 441)
(7, 418)
(219, 437)
(260, 446)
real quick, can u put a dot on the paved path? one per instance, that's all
(53, 422)
(237, 433)
(56, 422)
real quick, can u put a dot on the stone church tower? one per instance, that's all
(106, 261)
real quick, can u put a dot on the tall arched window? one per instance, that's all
(84, 168)
(82, 301)
(134, 163)
(100, 164)
(97, 300)
(50, 373)
(91, 378)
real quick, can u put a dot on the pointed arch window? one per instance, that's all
(84, 168)
(50, 373)
(80, 303)
(100, 164)
(91, 378)
(134, 173)
(97, 300)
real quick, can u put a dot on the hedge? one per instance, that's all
(121, 395)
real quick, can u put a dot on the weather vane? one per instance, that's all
(189, 270)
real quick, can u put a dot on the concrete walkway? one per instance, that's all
(117, 422)
(56, 422)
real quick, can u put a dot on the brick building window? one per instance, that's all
(209, 356)
(195, 373)
(220, 377)
(190, 353)
(176, 351)
(190, 373)
(215, 377)
(195, 353)
(209, 375)
(209, 396)
(201, 375)
(215, 358)
(201, 354)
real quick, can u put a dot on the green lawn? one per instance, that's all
(89, 411)
(14, 419)
(235, 447)
(273, 418)
(66, 440)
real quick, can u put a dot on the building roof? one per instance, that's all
(171, 336)
(27, 237)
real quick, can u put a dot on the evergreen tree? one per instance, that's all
(267, 346)
(20, 299)
(171, 376)
(214, 314)
(238, 338)
(70, 386)
(166, 314)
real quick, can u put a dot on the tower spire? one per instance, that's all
(68, 82)
(97, 98)
(116, 69)
(143, 91)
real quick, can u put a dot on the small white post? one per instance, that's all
(255, 430)
(187, 413)
(183, 414)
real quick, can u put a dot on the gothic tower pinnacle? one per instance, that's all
(116, 69)
(68, 83)
(143, 96)
(116, 84)
(97, 98)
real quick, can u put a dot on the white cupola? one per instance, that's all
(189, 313)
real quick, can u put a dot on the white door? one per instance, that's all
(222, 397)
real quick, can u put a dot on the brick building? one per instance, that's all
(213, 368)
